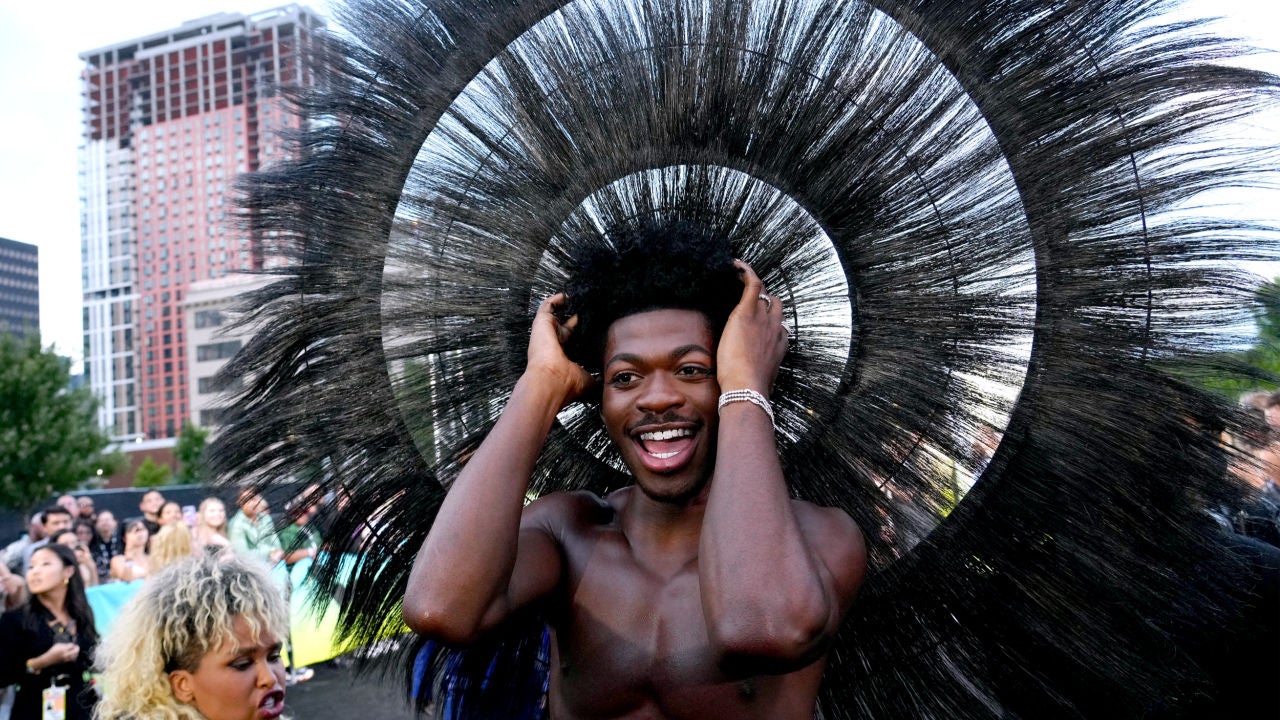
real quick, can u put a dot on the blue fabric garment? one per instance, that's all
(484, 683)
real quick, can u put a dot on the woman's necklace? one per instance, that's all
(64, 630)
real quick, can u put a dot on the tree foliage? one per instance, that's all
(189, 451)
(49, 437)
(152, 474)
(1257, 368)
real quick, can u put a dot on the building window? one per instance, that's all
(217, 351)
(208, 318)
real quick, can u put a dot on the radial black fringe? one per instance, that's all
(974, 212)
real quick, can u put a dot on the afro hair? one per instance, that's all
(652, 264)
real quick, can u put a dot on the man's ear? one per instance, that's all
(183, 688)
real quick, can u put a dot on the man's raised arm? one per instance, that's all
(481, 560)
(776, 576)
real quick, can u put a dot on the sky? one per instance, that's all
(40, 43)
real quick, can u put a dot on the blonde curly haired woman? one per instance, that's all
(200, 641)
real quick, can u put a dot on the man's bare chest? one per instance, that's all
(641, 625)
(633, 642)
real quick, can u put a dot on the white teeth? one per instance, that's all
(665, 455)
(666, 435)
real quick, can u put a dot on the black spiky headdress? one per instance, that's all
(968, 207)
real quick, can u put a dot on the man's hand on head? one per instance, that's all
(547, 360)
(754, 340)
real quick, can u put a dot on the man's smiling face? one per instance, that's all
(659, 400)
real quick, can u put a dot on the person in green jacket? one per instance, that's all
(251, 530)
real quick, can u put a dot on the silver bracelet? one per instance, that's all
(747, 395)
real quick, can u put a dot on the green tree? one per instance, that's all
(151, 474)
(49, 437)
(190, 454)
(1233, 373)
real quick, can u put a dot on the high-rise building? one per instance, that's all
(19, 288)
(170, 119)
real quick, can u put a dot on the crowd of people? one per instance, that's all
(49, 644)
(1257, 462)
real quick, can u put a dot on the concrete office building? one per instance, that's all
(209, 312)
(170, 120)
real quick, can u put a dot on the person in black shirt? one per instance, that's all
(105, 544)
(47, 645)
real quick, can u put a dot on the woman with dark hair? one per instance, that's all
(170, 513)
(88, 571)
(134, 562)
(84, 531)
(46, 646)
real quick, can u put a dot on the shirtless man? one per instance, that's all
(701, 591)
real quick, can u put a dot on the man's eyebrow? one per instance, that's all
(675, 354)
(686, 349)
(623, 357)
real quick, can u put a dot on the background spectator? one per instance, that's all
(68, 503)
(133, 563)
(105, 544)
(1256, 461)
(13, 590)
(15, 551)
(84, 531)
(84, 561)
(171, 544)
(50, 638)
(87, 512)
(299, 541)
(211, 526)
(170, 513)
(251, 530)
(149, 505)
(56, 519)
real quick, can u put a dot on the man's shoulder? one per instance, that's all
(837, 539)
(832, 530)
(569, 510)
(807, 512)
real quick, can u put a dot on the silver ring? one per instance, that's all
(768, 302)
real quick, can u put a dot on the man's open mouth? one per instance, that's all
(665, 448)
(665, 443)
